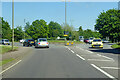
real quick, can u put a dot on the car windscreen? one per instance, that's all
(6, 40)
(91, 38)
(97, 40)
(41, 40)
(30, 40)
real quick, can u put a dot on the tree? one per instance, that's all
(55, 29)
(81, 32)
(6, 30)
(38, 29)
(108, 24)
(18, 33)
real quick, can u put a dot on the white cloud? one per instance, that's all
(60, 0)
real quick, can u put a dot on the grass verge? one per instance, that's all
(62, 41)
(7, 49)
(116, 46)
(6, 61)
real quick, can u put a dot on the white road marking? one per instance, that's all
(89, 51)
(110, 67)
(98, 60)
(72, 51)
(110, 76)
(80, 57)
(10, 66)
(105, 57)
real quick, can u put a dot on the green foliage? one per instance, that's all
(55, 29)
(88, 33)
(108, 24)
(18, 33)
(6, 30)
(38, 29)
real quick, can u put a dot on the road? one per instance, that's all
(61, 61)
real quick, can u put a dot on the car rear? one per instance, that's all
(42, 43)
(97, 43)
(31, 42)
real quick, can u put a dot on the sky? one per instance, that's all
(78, 13)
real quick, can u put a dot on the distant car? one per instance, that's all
(42, 42)
(86, 40)
(97, 43)
(105, 41)
(90, 40)
(22, 40)
(5, 42)
(29, 42)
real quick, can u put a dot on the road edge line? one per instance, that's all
(10, 67)
(110, 76)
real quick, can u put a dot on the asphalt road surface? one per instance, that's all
(59, 61)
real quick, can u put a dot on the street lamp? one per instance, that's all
(12, 24)
(66, 10)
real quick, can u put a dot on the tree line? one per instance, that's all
(107, 25)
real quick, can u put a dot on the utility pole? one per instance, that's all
(65, 12)
(12, 24)
(119, 5)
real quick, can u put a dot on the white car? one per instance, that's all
(90, 40)
(42, 42)
(22, 40)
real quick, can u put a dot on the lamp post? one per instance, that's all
(12, 24)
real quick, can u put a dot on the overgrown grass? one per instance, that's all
(117, 46)
(6, 61)
(5, 49)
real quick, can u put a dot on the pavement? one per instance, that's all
(59, 61)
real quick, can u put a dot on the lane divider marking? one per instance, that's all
(105, 57)
(98, 60)
(110, 67)
(10, 67)
(89, 51)
(80, 57)
(72, 51)
(110, 76)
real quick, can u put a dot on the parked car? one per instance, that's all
(5, 42)
(105, 41)
(91, 39)
(86, 40)
(42, 42)
(97, 43)
(22, 40)
(29, 42)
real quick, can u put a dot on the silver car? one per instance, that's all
(42, 42)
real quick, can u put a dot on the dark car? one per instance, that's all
(86, 40)
(29, 42)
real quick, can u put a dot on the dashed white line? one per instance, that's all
(89, 51)
(110, 67)
(98, 60)
(72, 51)
(10, 66)
(110, 76)
(105, 57)
(80, 57)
